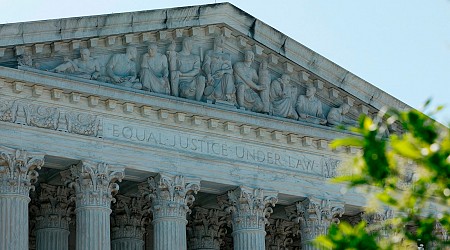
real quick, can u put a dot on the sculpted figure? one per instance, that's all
(84, 67)
(247, 84)
(219, 73)
(309, 107)
(154, 71)
(336, 116)
(185, 78)
(121, 69)
(264, 80)
(281, 97)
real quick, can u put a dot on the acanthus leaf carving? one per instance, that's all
(281, 234)
(18, 170)
(94, 183)
(171, 195)
(129, 217)
(206, 228)
(250, 208)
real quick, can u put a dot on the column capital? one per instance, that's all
(281, 233)
(52, 207)
(94, 183)
(315, 216)
(18, 170)
(249, 207)
(207, 228)
(129, 217)
(376, 221)
(171, 195)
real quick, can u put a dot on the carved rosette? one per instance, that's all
(249, 207)
(129, 217)
(315, 216)
(171, 196)
(207, 228)
(18, 170)
(52, 208)
(94, 183)
(281, 234)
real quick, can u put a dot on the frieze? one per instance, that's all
(320, 165)
(54, 118)
(220, 76)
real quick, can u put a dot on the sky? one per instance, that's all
(401, 46)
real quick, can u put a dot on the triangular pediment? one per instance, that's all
(52, 48)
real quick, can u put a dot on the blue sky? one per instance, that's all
(402, 46)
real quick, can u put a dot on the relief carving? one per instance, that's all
(41, 117)
(83, 124)
(154, 71)
(8, 111)
(219, 73)
(185, 77)
(84, 67)
(248, 88)
(211, 78)
(121, 69)
(281, 96)
(309, 107)
(336, 116)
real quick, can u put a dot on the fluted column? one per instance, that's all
(206, 229)
(128, 223)
(171, 197)
(52, 217)
(17, 174)
(250, 210)
(315, 217)
(94, 185)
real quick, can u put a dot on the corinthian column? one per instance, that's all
(17, 173)
(52, 218)
(377, 222)
(250, 210)
(206, 229)
(315, 217)
(94, 185)
(128, 223)
(171, 197)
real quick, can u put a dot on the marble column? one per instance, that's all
(250, 210)
(315, 217)
(206, 229)
(17, 174)
(171, 197)
(128, 223)
(52, 217)
(94, 184)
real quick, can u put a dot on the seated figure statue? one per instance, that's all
(248, 88)
(185, 78)
(309, 107)
(219, 73)
(281, 98)
(84, 67)
(154, 71)
(121, 69)
(336, 116)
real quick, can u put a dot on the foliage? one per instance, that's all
(408, 172)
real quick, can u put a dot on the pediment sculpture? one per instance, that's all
(217, 76)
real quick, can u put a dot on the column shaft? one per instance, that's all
(249, 239)
(169, 233)
(52, 239)
(93, 228)
(14, 222)
(127, 244)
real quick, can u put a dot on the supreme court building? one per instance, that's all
(188, 128)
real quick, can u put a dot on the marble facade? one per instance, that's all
(189, 128)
